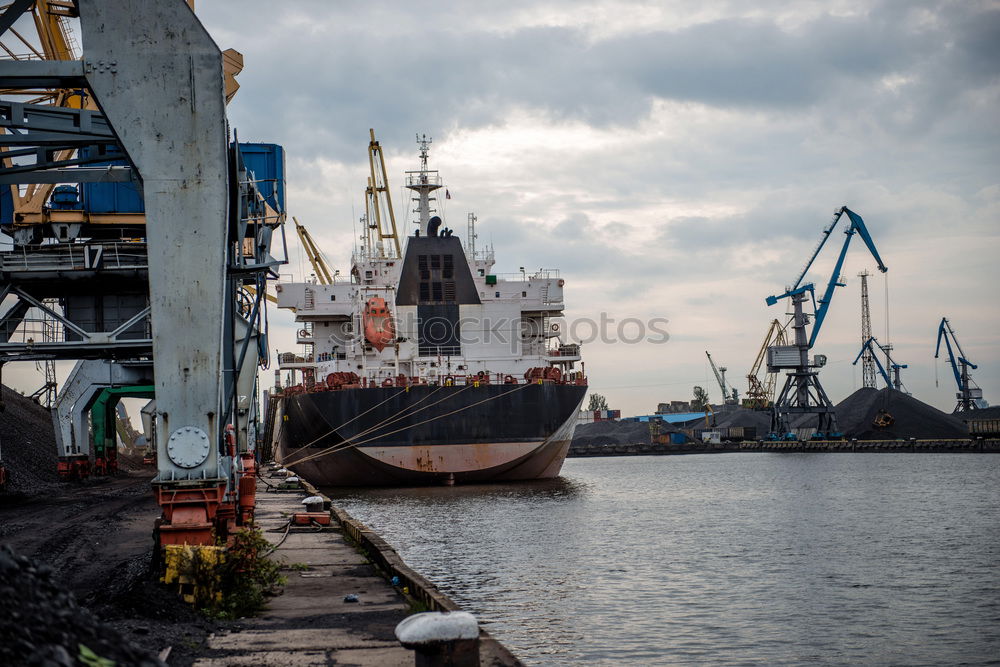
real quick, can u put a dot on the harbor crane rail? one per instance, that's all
(802, 392)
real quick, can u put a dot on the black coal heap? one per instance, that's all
(912, 418)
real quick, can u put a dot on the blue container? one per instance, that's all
(267, 162)
(678, 438)
(111, 197)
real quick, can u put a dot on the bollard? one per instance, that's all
(313, 503)
(441, 639)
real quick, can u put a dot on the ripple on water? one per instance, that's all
(718, 559)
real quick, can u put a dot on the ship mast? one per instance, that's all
(423, 183)
(471, 236)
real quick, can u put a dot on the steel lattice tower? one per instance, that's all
(867, 359)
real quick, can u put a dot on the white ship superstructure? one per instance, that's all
(515, 326)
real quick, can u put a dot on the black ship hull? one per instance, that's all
(391, 436)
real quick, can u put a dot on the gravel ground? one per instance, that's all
(41, 622)
(97, 539)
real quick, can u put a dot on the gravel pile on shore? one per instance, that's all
(746, 418)
(27, 444)
(992, 412)
(42, 624)
(913, 418)
(611, 433)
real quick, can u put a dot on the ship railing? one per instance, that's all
(419, 178)
(292, 358)
(483, 256)
(540, 274)
(539, 349)
(75, 257)
(548, 375)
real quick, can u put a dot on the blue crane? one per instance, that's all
(821, 307)
(802, 392)
(870, 345)
(969, 395)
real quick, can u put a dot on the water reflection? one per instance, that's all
(564, 488)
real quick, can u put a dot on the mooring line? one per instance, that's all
(385, 422)
(349, 443)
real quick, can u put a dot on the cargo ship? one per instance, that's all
(423, 365)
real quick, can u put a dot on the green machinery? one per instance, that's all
(102, 421)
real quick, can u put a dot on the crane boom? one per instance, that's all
(320, 267)
(381, 224)
(870, 346)
(969, 395)
(822, 242)
(857, 226)
(760, 394)
(721, 379)
(821, 307)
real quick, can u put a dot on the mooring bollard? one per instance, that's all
(441, 639)
(313, 503)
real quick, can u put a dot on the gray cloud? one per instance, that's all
(697, 157)
(334, 84)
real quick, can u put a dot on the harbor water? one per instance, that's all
(718, 559)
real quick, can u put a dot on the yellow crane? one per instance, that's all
(319, 264)
(49, 38)
(380, 224)
(760, 394)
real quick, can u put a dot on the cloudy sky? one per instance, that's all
(675, 160)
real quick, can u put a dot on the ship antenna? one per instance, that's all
(424, 142)
(423, 183)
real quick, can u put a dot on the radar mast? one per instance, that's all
(423, 183)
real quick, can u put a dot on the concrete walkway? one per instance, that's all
(310, 623)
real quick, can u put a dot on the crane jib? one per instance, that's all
(822, 304)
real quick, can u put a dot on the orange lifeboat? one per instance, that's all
(379, 327)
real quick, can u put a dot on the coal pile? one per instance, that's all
(42, 624)
(992, 412)
(913, 418)
(742, 417)
(27, 444)
(604, 433)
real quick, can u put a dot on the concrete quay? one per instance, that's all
(872, 446)
(310, 623)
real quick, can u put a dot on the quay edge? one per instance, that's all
(985, 446)
(308, 623)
